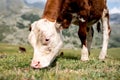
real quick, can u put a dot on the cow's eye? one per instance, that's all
(45, 41)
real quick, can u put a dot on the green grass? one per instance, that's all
(16, 66)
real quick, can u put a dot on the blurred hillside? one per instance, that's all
(15, 18)
(17, 15)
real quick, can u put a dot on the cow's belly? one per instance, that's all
(76, 20)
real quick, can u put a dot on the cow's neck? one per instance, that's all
(52, 9)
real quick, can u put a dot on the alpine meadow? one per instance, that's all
(16, 66)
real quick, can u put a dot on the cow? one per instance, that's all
(46, 33)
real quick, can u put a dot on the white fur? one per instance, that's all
(84, 53)
(105, 36)
(82, 19)
(45, 54)
(75, 18)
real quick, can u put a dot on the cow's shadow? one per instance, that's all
(70, 57)
(67, 57)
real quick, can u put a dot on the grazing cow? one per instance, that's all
(45, 35)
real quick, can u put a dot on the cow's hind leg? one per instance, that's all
(83, 37)
(90, 33)
(106, 34)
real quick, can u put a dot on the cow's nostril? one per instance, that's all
(38, 63)
(46, 39)
(35, 64)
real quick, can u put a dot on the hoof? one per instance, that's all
(102, 56)
(84, 59)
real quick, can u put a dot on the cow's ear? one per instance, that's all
(33, 26)
(58, 27)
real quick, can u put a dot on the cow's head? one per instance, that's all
(46, 42)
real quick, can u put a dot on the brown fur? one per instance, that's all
(61, 11)
(52, 9)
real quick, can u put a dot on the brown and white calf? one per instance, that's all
(45, 36)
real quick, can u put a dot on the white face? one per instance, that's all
(46, 42)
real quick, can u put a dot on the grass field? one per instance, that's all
(16, 66)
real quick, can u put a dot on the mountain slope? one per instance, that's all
(9, 7)
(39, 4)
(115, 18)
(16, 19)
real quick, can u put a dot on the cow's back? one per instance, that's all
(97, 7)
(85, 8)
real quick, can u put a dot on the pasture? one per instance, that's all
(16, 66)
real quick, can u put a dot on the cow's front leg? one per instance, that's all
(83, 37)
